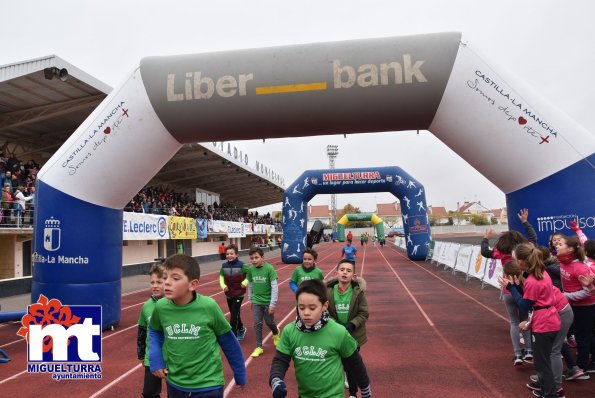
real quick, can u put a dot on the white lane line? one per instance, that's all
(114, 382)
(232, 383)
(445, 341)
(456, 288)
(107, 387)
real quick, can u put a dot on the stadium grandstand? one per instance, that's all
(44, 100)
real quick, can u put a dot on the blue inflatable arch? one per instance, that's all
(436, 82)
(409, 191)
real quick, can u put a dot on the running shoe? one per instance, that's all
(528, 357)
(575, 373)
(517, 360)
(534, 378)
(241, 334)
(560, 392)
(276, 338)
(534, 386)
(258, 351)
(571, 341)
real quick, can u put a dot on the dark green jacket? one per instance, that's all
(358, 308)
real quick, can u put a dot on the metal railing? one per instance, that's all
(13, 218)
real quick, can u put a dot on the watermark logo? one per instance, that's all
(64, 341)
(562, 222)
(51, 235)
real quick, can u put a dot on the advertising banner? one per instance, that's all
(182, 228)
(140, 226)
(478, 262)
(201, 228)
(451, 255)
(235, 229)
(493, 272)
(463, 258)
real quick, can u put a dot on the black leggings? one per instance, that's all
(152, 385)
(235, 319)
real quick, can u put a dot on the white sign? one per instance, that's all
(140, 226)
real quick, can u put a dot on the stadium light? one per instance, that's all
(49, 73)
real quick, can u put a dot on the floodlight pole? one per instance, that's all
(332, 151)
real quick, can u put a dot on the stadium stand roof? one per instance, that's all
(38, 114)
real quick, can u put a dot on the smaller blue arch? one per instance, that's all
(409, 191)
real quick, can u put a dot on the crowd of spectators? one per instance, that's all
(17, 180)
(164, 200)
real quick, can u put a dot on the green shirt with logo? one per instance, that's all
(317, 358)
(190, 347)
(342, 300)
(299, 274)
(261, 278)
(143, 320)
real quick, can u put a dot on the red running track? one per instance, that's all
(429, 334)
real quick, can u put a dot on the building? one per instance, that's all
(438, 215)
(391, 214)
(322, 213)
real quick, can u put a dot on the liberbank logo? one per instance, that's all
(64, 341)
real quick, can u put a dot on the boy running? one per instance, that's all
(263, 294)
(308, 270)
(152, 384)
(185, 333)
(232, 279)
(349, 252)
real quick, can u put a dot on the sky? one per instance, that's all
(547, 43)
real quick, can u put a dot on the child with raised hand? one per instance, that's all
(152, 384)
(308, 270)
(320, 349)
(503, 251)
(185, 333)
(349, 307)
(232, 279)
(263, 294)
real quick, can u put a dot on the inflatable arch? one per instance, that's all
(525, 146)
(377, 221)
(410, 192)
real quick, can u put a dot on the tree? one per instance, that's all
(479, 219)
(350, 209)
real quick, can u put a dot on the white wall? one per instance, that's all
(139, 251)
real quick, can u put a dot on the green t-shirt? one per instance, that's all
(190, 348)
(261, 278)
(317, 358)
(143, 320)
(342, 301)
(299, 275)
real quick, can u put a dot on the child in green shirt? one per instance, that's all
(308, 270)
(185, 333)
(349, 307)
(263, 295)
(320, 349)
(152, 384)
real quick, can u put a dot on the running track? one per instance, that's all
(429, 334)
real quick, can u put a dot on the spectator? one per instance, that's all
(20, 201)
(6, 202)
